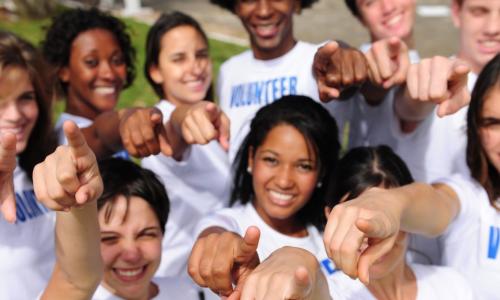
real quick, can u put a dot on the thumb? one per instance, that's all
(459, 73)
(224, 131)
(322, 57)
(156, 116)
(89, 191)
(76, 140)
(394, 46)
(165, 146)
(8, 164)
(247, 247)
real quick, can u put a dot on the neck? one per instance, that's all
(398, 284)
(268, 54)
(409, 40)
(475, 68)
(289, 226)
(80, 108)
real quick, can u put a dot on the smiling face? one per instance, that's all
(479, 25)
(130, 247)
(18, 106)
(490, 126)
(269, 24)
(95, 74)
(284, 175)
(185, 68)
(388, 18)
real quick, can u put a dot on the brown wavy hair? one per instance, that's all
(480, 167)
(16, 52)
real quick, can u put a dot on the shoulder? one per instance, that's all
(237, 60)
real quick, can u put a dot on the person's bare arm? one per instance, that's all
(69, 182)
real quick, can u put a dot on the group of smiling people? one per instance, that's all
(251, 196)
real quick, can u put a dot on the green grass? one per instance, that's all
(140, 93)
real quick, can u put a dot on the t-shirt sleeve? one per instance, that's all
(224, 218)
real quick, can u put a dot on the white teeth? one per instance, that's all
(394, 20)
(104, 90)
(267, 29)
(281, 197)
(490, 44)
(129, 273)
(16, 130)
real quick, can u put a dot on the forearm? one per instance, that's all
(103, 136)
(78, 247)
(427, 209)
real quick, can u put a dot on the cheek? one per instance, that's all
(109, 254)
(152, 250)
(308, 183)
(31, 111)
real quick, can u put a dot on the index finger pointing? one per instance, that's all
(76, 140)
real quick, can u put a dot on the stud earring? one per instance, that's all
(249, 170)
(319, 184)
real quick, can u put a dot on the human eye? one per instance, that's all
(202, 54)
(478, 11)
(178, 58)
(118, 60)
(149, 233)
(491, 123)
(91, 62)
(305, 166)
(109, 239)
(270, 160)
(27, 96)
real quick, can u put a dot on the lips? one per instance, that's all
(489, 46)
(130, 274)
(18, 131)
(105, 91)
(266, 31)
(279, 198)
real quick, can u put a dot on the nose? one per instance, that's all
(131, 252)
(263, 9)
(284, 178)
(493, 24)
(106, 71)
(387, 5)
(197, 66)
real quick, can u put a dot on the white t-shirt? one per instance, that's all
(471, 244)
(432, 283)
(196, 185)
(169, 288)
(246, 84)
(27, 254)
(81, 122)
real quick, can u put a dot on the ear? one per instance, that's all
(327, 210)
(455, 13)
(155, 74)
(250, 156)
(63, 74)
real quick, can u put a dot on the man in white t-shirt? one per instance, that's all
(276, 65)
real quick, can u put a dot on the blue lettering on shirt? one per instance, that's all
(327, 264)
(494, 242)
(27, 207)
(262, 92)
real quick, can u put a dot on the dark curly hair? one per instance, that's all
(69, 24)
(320, 131)
(16, 52)
(230, 4)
